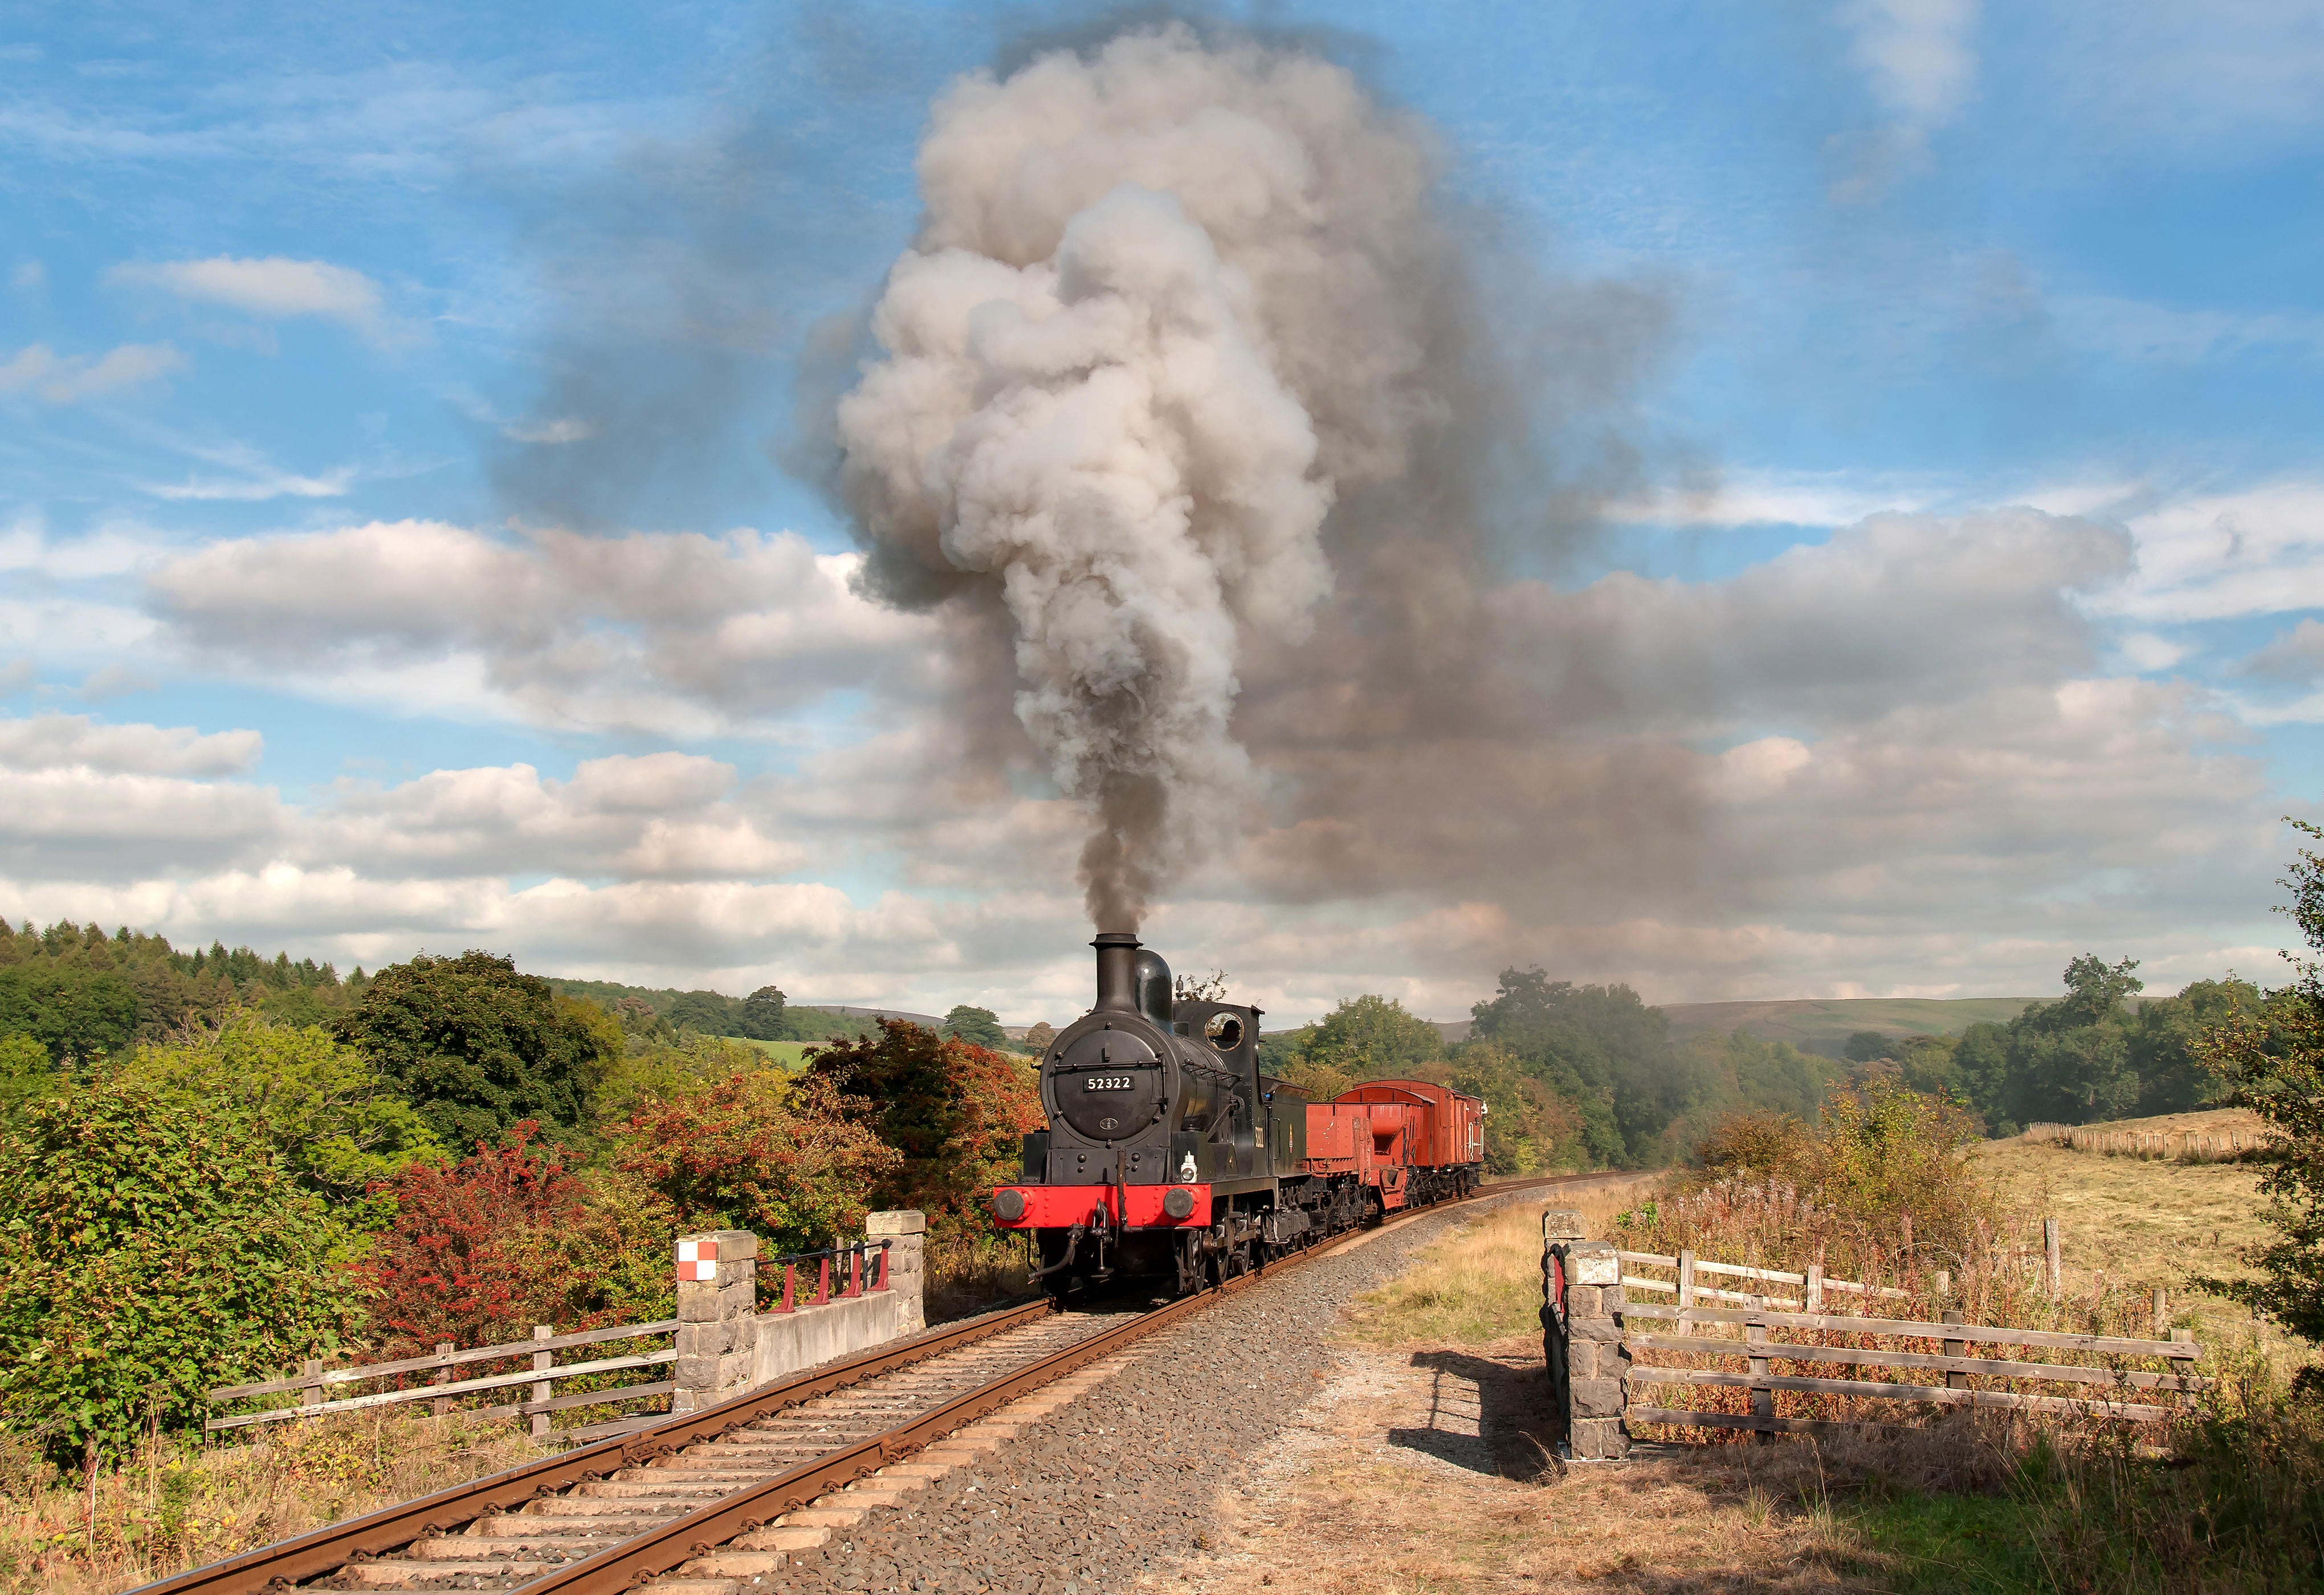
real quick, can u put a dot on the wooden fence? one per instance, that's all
(2181, 1145)
(1688, 1287)
(1912, 1373)
(544, 1372)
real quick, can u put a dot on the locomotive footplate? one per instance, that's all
(1149, 1207)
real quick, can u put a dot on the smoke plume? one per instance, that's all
(1170, 300)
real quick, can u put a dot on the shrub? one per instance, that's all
(150, 1250)
(788, 1158)
(463, 1261)
(337, 1125)
(956, 1115)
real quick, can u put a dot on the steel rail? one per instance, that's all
(321, 1550)
(660, 1549)
(670, 1545)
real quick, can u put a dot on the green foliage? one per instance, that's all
(476, 1047)
(655, 1015)
(1371, 1037)
(2085, 1058)
(150, 1250)
(334, 1125)
(980, 1027)
(1865, 1045)
(2274, 1057)
(77, 1011)
(956, 1113)
(84, 994)
(25, 1072)
(1528, 1127)
(1604, 1051)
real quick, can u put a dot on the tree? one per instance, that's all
(148, 1243)
(26, 1072)
(78, 1011)
(706, 1012)
(336, 1125)
(477, 1048)
(1865, 1045)
(2275, 1060)
(762, 1018)
(977, 1027)
(1040, 1039)
(1371, 1037)
(790, 1158)
(1604, 1051)
(956, 1113)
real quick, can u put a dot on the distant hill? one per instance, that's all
(1824, 1026)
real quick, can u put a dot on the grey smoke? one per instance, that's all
(1174, 299)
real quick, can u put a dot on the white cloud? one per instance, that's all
(69, 379)
(273, 288)
(1918, 61)
(55, 741)
(16, 675)
(2146, 650)
(2293, 655)
(676, 635)
(1916, 54)
(330, 484)
(2217, 556)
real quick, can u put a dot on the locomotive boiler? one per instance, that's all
(1169, 1155)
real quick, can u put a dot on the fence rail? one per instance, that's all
(2182, 1145)
(543, 1374)
(1689, 1267)
(860, 1268)
(1954, 1363)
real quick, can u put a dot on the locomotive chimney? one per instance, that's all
(1117, 971)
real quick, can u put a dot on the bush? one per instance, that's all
(461, 1260)
(337, 1125)
(151, 1250)
(955, 1114)
(790, 1159)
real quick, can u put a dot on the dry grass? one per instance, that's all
(2135, 1224)
(177, 1511)
(1482, 1282)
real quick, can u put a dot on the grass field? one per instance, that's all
(1823, 1025)
(2149, 1222)
(791, 1054)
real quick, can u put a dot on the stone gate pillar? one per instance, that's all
(907, 1233)
(717, 1317)
(1595, 1359)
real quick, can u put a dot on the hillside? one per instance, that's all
(1824, 1024)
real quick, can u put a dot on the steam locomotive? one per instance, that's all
(1170, 1157)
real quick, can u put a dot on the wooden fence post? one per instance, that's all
(2051, 1243)
(1955, 1381)
(312, 1369)
(2183, 1367)
(543, 1361)
(1685, 1281)
(443, 1376)
(1815, 1287)
(1763, 1399)
(2162, 1313)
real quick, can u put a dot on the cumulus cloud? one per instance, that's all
(670, 634)
(70, 379)
(77, 742)
(273, 288)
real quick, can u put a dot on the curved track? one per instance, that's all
(606, 1517)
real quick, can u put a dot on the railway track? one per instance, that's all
(709, 1502)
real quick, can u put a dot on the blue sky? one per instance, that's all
(270, 274)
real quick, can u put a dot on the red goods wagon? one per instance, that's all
(1409, 1140)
